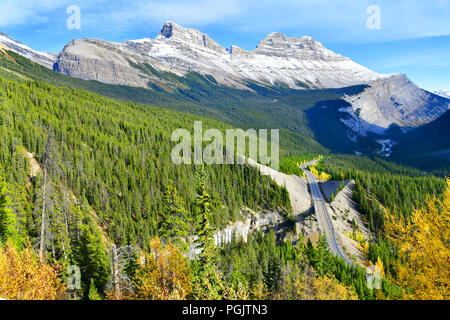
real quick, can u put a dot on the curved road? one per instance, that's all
(323, 217)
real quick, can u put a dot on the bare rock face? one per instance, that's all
(235, 50)
(395, 100)
(178, 35)
(304, 48)
(99, 60)
(295, 62)
(241, 229)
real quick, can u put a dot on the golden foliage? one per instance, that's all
(213, 287)
(323, 288)
(380, 266)
(321, 176)
(240, 293)
(326, 288)
(424, 249)
(24, 277)
(259, 291)
(164, 275)
(324, 176)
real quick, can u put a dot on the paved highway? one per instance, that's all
(323, 217)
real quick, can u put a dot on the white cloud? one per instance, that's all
(28, 12)
(345, 20)
(338, 20)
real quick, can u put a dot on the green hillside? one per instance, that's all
(86, 165)
(106, 167)
(269, 108)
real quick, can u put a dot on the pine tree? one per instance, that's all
(207, 281)
(174, 226)
(93, 293)
(8, 221)
(90, 255)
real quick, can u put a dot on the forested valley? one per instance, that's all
(88, 181)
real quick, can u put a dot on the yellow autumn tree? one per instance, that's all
(24, 277)
(310, 287)
(326, 288)
(424, 249)
(259, 291)
(380, 267)
(164, 275)
(324, 176)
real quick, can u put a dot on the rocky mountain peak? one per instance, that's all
(303, 48)
(237, 50)
(189, 37)
(296, 62)
(169, 28)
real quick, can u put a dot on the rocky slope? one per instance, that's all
(393, 100)
(345, 211)
(295, 62)
(43, 58)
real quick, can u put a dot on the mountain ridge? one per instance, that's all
(43, 58)
(182, 61)
(296, 62)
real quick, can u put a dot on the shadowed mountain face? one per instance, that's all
(430, 144)
(296, 63)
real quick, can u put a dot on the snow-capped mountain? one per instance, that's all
(278, 60)
(43, 58)
(443, 93)
(295, 62)
(298, 63)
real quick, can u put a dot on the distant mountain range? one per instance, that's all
(374, 111)
(443, 93)
(295, 62)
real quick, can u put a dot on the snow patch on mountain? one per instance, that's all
(443, 93)
(357, 125)
(296, 62)
(43, 58)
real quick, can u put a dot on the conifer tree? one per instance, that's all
(207, 281)
(8, 221)
(174, 224)
(93, 293)
(90, 255)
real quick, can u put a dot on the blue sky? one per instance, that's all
(414, 37)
